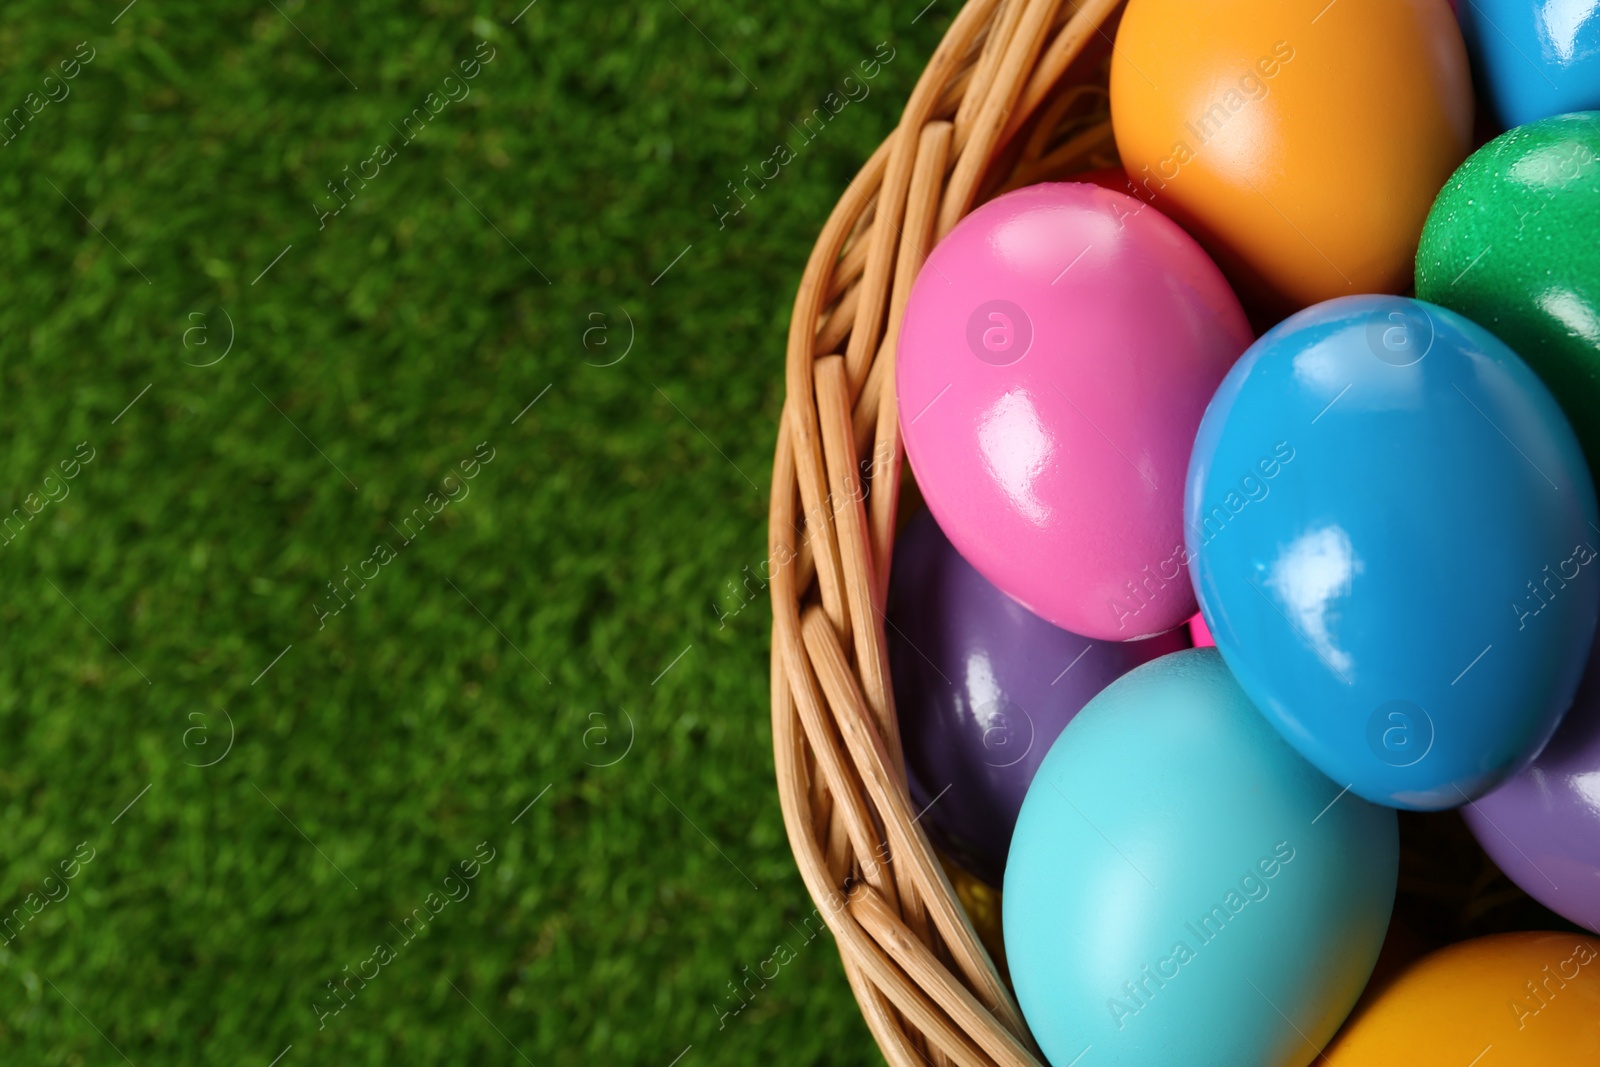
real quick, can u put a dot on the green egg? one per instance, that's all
(1513, 243)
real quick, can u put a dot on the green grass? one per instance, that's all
(506, 649)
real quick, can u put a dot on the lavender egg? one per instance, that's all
(983, 687)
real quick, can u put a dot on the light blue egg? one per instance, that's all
(1394, 539)
(1183, 888)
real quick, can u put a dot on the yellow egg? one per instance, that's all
(982, 905)
(1511, 1000)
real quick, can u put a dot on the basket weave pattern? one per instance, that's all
(989, 113)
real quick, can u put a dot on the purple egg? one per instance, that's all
(983, 686)
(1543, 826)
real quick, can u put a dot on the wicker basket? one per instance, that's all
(1014, 94)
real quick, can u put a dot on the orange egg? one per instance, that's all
(1301, 141)
(1511, 1000)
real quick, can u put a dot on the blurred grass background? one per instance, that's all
(574, 608)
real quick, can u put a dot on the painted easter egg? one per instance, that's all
(1513, 243)
(1543, 826)
(1535, 58)
(1510, 1000)
(1302, 142)
(983, 687)
(1184, 888)
(1057, 351)
(981, 902)
(1392, 534)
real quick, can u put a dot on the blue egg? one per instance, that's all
(1184, 888)
(1535, 59)
(1393, 536)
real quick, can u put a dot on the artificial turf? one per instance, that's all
(213, 574)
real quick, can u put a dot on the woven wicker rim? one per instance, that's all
(977, 123)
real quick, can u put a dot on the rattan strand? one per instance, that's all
(988, 114)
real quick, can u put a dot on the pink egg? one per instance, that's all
(1057, 352)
